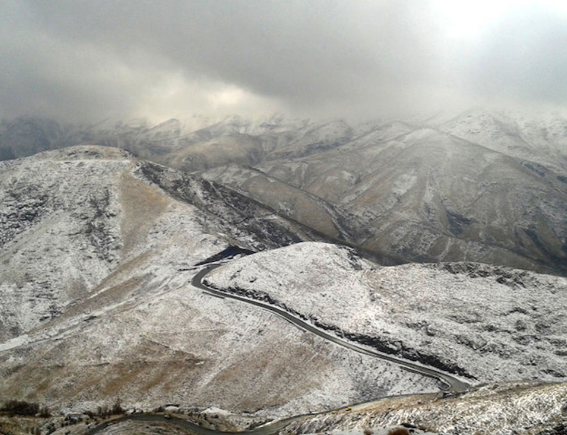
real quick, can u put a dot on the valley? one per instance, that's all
(306, 217)
(350, 265)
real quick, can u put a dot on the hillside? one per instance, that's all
(429, 196)
(98, 253)
(90, 208)
(287, 200)
(483, 185)
(481, 322)
(526, 408)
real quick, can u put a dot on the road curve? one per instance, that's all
(452, 383)
(268, 429)
(272, 428)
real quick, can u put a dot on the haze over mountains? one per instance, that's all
(487, 186)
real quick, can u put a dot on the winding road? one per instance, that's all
(268, 429)
(452, 383)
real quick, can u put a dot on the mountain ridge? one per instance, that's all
(365, 184)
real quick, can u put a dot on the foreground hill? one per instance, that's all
(523, 408)
(72, 217)
(481, 322)
(96, 302)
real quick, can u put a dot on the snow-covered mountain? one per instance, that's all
(428, 196)
(484, 185)
(89, 207)
(27, 136)
(481, 322)
(424, 194)
(288, 200)
(98, 251)
(540, 138)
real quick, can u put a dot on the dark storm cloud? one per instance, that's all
(89, 59)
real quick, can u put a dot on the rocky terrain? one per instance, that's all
(288, 200)
(498, 409)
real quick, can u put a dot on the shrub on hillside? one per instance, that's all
(117, 408)
(20, 407)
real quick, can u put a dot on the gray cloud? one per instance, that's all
(523, 57)
(79, 59)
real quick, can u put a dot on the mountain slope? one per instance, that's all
(481, 322)
(90, 207)
(98, 253)
(540, 138)
(289, 201)
(429, 196)
(483, 185)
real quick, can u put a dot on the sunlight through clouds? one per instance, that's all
(469, 19)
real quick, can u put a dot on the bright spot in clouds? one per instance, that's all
(175, 95)
(88, 60)
(227, 97)
(468, 19)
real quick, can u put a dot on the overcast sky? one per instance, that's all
(82, 60)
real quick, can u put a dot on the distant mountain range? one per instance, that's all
(486, 186)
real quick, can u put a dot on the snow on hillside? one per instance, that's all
(59, 238)
(486, 323)
(71, 217)
(498, 409)
(96, 301)
(539, 137)
(429, 196)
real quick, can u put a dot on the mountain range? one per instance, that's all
(440, 242)
(484, 186)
